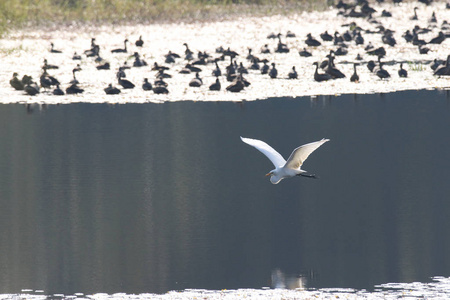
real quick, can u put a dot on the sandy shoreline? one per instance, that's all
(24, 52)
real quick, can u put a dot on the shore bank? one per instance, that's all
(24, 52)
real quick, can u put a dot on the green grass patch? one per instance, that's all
(29, 13)
(9, 51)
(416, 66)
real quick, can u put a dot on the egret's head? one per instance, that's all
(274, 176)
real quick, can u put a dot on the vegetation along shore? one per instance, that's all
(29, 13)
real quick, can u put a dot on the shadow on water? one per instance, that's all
(156, 197)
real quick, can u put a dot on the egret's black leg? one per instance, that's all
(308, 175)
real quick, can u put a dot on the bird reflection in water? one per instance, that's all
(281, 280)
(31, 107)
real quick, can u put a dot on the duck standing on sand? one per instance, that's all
(216, 72)
(74, 89)
(320, 77)
(31, 88)
(304, 53)
(188, 54)
(196, 81)
(53, 50)
(354, 77)
(265, 49)
(237, 85)
(47, 81)
(281, 47)
(139, 42)
(380, 52)
(273, 73)
(439, 39)
(170, 57)
(138, 61)
(111, 90)
(146, 86)
(76, 69)
(414, 17)
(160, 89)
(126, 84)
(325, 36)
(265, 68)
(121, 50)
(58, 91)
(312, 42)
(48, 66)
(16, 83)
(402, 72)
(331, 68)
(215, 86)
(380, 72)
(76, 56)
(444, 69)
(293, 73)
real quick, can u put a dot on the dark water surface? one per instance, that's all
(155, 197)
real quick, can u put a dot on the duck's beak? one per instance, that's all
(268, 174)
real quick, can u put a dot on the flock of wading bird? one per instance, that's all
(235, 71)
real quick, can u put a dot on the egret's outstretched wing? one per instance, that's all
(300, 154)
(272, 154)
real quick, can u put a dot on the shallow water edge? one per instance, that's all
(437, 288)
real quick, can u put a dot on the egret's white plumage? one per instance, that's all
(291, 167)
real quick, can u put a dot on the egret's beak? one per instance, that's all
(268, 174)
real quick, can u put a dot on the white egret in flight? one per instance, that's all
(291, 167)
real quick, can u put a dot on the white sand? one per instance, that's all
(24, 52)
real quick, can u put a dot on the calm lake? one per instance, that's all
(156, 197)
